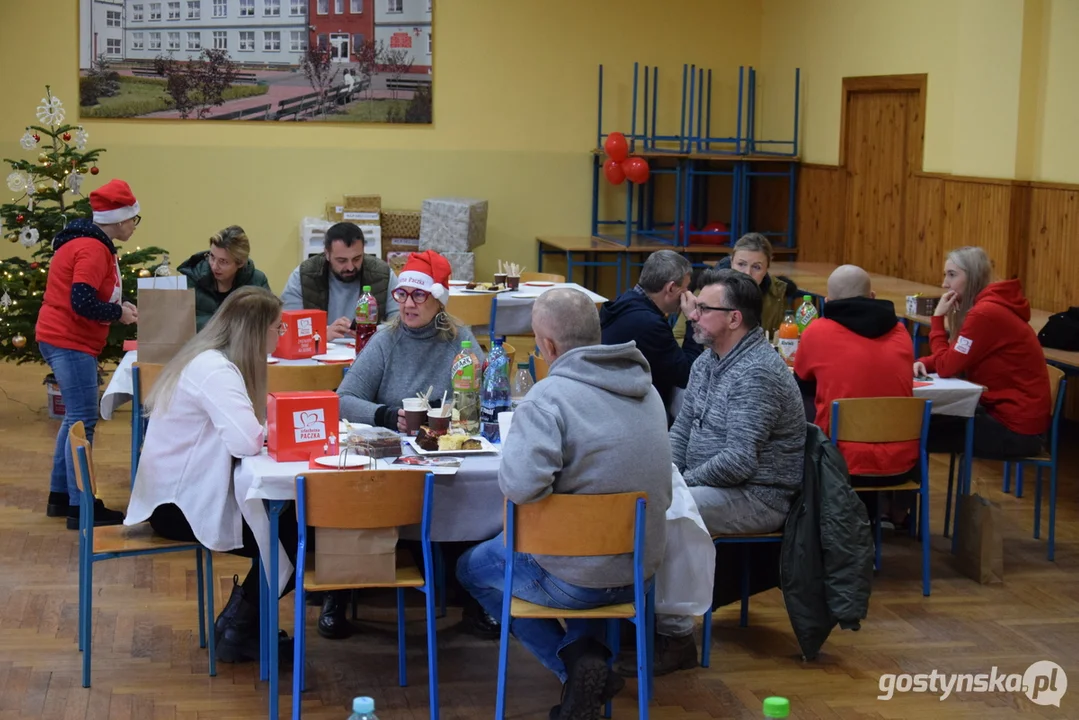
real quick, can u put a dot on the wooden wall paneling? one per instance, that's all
(924, 251)
(978, 214)
(819, 209)
(1052, 273)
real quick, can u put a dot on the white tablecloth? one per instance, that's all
(513, 315)
(951, 396)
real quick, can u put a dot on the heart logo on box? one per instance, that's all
(309, 425)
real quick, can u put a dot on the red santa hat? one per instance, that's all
(113, 202)
(427, 271)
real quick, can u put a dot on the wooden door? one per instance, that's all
(883, 121)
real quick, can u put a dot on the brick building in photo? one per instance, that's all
(341, 25)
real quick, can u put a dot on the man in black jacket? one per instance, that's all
(641, 315)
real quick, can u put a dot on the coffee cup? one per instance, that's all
(415, 413)
(513, 281)
(500, 278)
(438, 419)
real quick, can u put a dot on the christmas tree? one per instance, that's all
(49, 194)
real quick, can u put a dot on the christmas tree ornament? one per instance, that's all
(81, 138)
(144, 273)
(83, 169)
(67, 136)
(37, 138)
(28, 237)
(51, 110)
(94, 170)
(18, 181)
(5, 300)
(74, 183)
(163, 269)
(28, 140)
(42, 187)
(20, 218)
(19, 341)
(34, 265)
(43, 158)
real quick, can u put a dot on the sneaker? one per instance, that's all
(102, 516)
(58, 505)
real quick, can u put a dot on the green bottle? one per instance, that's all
(776, 707)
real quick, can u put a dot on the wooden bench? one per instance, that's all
(408, 84)
(296, 107)
(144, 72)
(244, 78)
(259, 112)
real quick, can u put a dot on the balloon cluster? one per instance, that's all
(619, 167)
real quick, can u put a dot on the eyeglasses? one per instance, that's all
(282, 328)
(418, 296)
(137, 219)
(702, 308)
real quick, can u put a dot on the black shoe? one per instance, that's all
(613, 686)
(102, 516)
(583, 693)
(477, 622)
(670, 654)
(58, 505)
(314, 599)
(234, 608)
(332, 623)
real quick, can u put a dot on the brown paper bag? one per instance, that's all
(979, 551)
(355, 556)
(166, 322)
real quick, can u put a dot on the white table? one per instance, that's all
(513, 315)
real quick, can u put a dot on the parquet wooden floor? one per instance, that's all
(147, 664)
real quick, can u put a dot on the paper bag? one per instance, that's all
(685, 577)
(166, 323)
(979, 550)
(355, 556)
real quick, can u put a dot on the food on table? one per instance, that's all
(427, 438)
(457, 442)
(376, 442)
(486, 286)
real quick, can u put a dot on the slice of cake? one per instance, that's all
(427, 438)
(457, 442)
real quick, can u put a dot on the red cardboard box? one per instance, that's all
(304, 336)
(300, 423)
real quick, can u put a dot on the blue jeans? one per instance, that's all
(482, 572)
(76, 373)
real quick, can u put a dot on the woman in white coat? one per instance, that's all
(206, 409)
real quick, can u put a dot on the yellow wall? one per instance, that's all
(1003, 90)
(515, 103)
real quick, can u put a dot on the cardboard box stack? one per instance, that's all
(365, 211)
(454, 227)
(400, 236)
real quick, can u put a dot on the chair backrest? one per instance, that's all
(576, 525)
(474, 309)
(147, 374)
(76, 438)
(879, 420)
(511, 353)
(303, 378)
(542, 277)
(1056, 376)
(538, 366)
(361, 498)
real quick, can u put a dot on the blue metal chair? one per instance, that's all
(537, 366)
(566, 525)
(143, 376)
(1058, 388)
(367, 499)
(888, 420)
(117, 541)
(743, 620)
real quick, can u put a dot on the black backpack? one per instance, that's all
(1061, 331)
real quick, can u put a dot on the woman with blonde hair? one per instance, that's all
(981, 330)
(225, 267)
(206, 408)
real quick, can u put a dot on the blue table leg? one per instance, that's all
(276, 508)
(966, 473)
(264, 624)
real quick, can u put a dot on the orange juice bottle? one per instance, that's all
(788, 338)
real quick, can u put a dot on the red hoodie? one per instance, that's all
(997, 348)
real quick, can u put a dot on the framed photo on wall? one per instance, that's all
(365, 61)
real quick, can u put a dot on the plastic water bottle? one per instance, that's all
(807, 313)
(465, 381)
(496, 390)
(366, 318)
(776, 707)
(522, 383)
(363, 708)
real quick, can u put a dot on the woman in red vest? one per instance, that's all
(981, 330)
(82, 298)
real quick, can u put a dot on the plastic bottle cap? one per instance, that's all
(806, 298)
(363, 705)
(466, 343)
(367, 288)
(776, 707)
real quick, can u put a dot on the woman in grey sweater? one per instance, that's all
(415, 352)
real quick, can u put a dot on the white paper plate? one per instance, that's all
(458, 283)
(345, 426)
(336, 357)
(487, 448)
(336, 461)
(346, 340)
(530, 295)
(271, 360)
(539, 283)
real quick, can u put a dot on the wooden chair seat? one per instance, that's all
(122, 538)
(909, 485)
(408, 575)
(748, 536)
(524, 609)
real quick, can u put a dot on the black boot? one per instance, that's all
(232, 607)
(57, 505)
(102, 516)
(583, 693)
(477, 622)
(670, 654)
(612, 687)
(332, 623)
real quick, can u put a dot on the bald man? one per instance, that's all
(858, 349)
(594, 426)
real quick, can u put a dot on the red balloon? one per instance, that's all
(616, 146)
(636, 169)
(613, 171)
(683, 232)
(714, 236)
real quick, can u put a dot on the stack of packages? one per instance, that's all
(365, 211)
(453, 227)
(400, 236)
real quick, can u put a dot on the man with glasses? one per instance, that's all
(334, 281)
(739, 438)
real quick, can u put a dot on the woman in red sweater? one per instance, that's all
(82, 297)
(988, 339)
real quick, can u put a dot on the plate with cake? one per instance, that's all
(434, 442)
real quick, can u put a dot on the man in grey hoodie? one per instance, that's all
(595, 425)
(739, 439)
